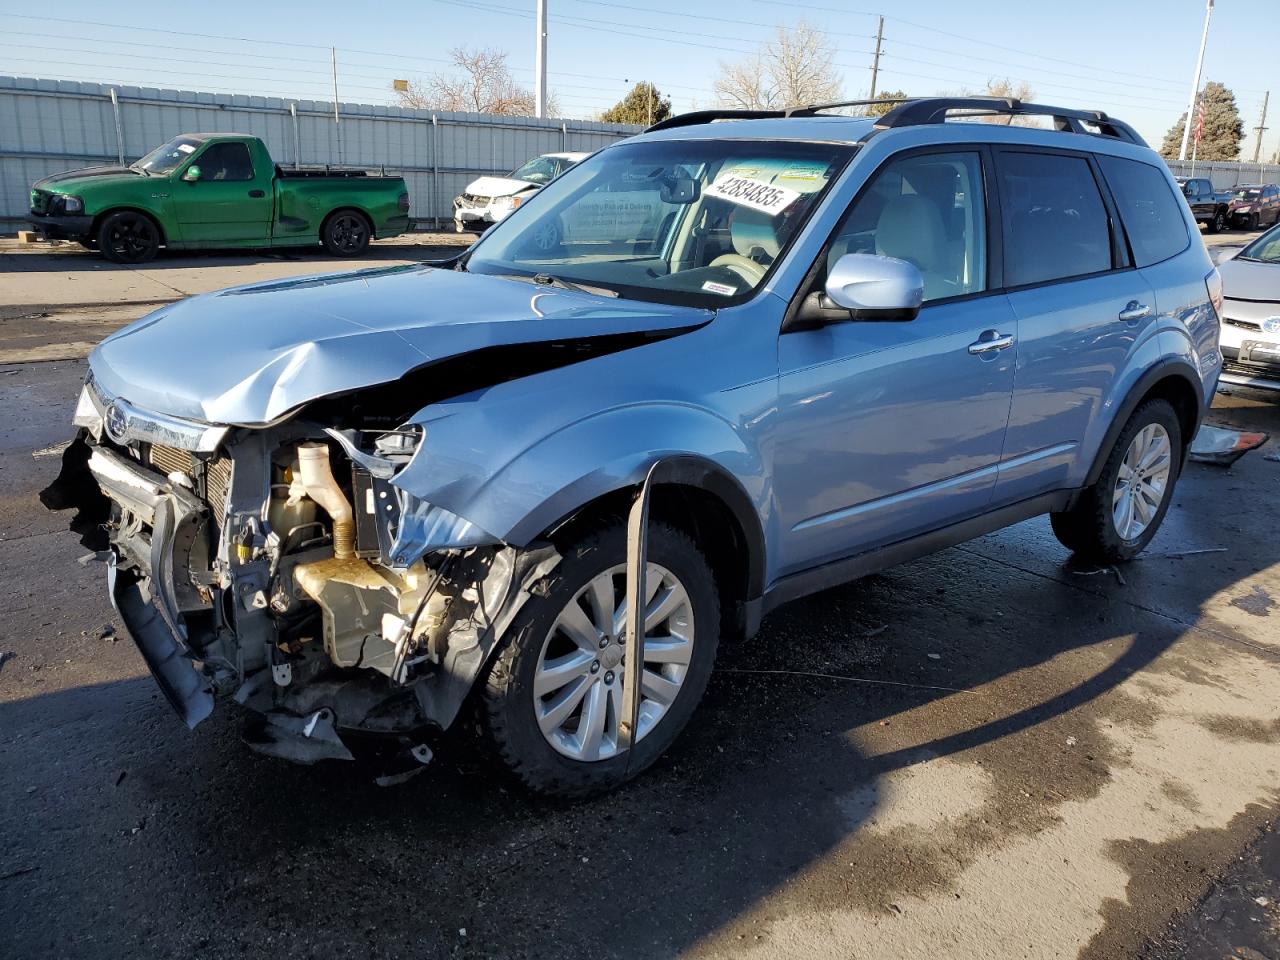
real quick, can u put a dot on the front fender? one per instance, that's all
(519, 497)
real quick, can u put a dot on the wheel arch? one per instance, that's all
(702, 499)
(98, 218)
(1174, 380)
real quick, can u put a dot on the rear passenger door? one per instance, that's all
(1081, 306)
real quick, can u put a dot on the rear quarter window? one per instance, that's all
(1151, 212)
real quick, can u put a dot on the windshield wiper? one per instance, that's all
(547, 280)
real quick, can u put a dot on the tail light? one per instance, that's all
(1213, 283)
(403, 202)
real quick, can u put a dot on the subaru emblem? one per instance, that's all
(116, 422)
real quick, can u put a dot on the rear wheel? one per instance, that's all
(1218, 223)
(346, 233)
(128, 237)
(1116, 518)
(552, 699)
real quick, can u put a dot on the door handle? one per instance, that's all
(991, 340)
(1134, 311)
(256, 194)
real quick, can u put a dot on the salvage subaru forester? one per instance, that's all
(812, 345)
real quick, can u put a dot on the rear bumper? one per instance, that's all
(393, 227)
(64, 227)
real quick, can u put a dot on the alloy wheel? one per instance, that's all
(1142, 482)
(132, 239)
(349, 232)
(578, 683)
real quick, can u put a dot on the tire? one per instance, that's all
(346, 233)
(513, 712)
(1218, 223)
(128, 237)
(1254, 222)
(1093, 527)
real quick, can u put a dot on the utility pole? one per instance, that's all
(875, 64)
(1261, 128)
(540, 62)
(1195, 83)
(337, 123)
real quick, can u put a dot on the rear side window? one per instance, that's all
(1150, 211)
(1055, 223)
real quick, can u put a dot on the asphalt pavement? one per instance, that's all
(991, 752)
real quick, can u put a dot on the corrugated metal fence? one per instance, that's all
(48, 126)
(1226, 174)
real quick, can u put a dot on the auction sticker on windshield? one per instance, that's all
(753, 193)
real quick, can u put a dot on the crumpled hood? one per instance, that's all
(70, 181)
(249, 355)
(1250, 280)
(498, 187)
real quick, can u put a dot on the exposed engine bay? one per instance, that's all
(300, 580)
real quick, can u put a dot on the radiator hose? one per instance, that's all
(316, 475)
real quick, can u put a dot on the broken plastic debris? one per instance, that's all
(934, 656)
(1222, 447)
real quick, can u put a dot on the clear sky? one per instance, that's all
(1132, 58)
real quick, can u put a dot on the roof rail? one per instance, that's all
(937, 109)
(707, 116)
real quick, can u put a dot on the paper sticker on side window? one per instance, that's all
(753, 193)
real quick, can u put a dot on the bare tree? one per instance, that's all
(1005, 89)
(478, 82)
(794, 68)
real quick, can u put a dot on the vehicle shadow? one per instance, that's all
(429, 247)
(772, 798)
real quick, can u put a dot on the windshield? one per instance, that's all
(538, 170)
(165, 158)
(1265, 249)
(697, 222)
(1252, 193)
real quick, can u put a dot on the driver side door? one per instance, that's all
(231, 202)
(889, 429)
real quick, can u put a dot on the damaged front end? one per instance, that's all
(283, 567)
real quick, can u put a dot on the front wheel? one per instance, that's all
(128, 237)
(552, 698)
(346, 233)
(1115, 519)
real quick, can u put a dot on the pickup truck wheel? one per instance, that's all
(553, 694)
(346, 233)
(1115, 519)
(1218, 223)
(128, 237)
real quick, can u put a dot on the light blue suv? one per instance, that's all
(787, 348)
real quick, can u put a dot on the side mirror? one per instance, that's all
(192, 174)
(863, 286)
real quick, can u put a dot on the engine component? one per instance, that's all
(316, 477)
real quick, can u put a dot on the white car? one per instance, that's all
(1251, 314)
(489, 199)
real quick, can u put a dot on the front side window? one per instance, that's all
(1055, 223)
(225, 161)
(166, 157)
(698, 222)
(1149, 210)
(929, 210)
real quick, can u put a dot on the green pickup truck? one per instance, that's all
(217, 190)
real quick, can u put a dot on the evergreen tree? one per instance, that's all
(643, 105)
(1223, 128)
